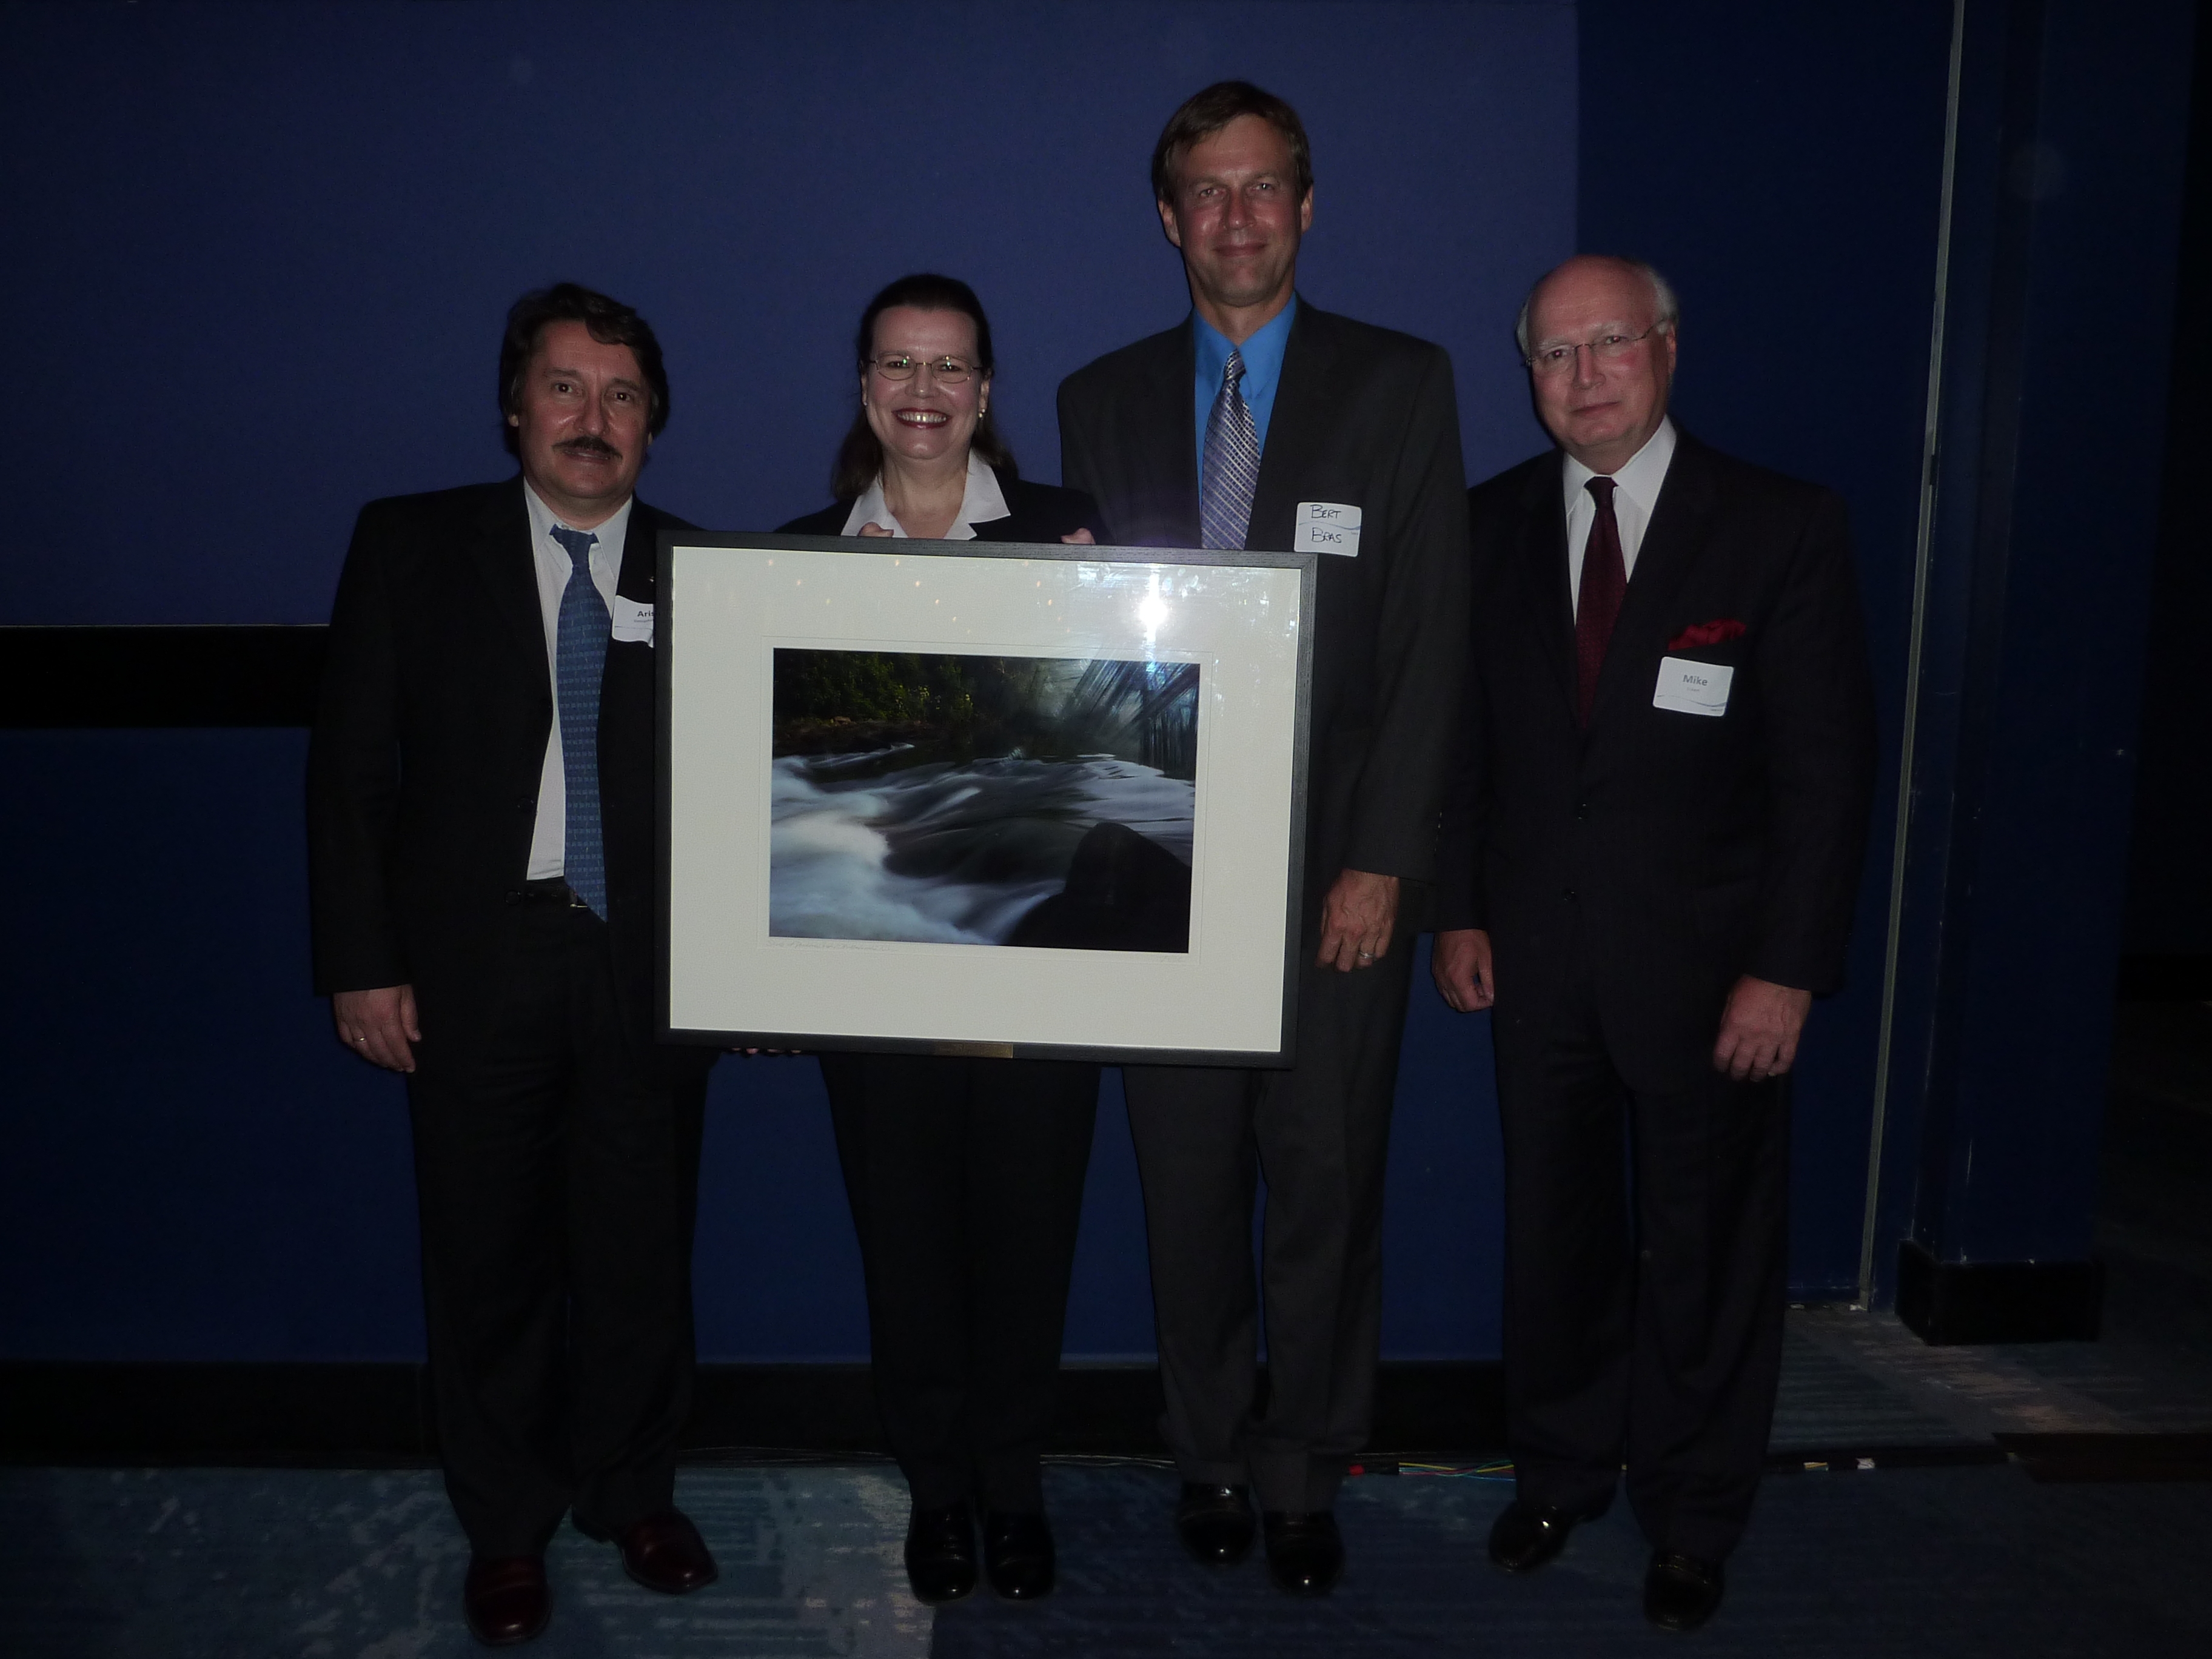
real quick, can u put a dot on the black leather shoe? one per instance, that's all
(1525, 1536)
(1305, 1552)
(506, 1599)
(1018, 1555)
(1215, 1523)
(940, 1553)
(1680, 1592)
(664, 1552)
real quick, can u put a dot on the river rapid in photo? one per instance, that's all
(892, 845)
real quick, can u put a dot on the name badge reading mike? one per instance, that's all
(1692, 688)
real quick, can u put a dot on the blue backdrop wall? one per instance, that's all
(259, 260)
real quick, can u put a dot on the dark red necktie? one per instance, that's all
(1604, 578)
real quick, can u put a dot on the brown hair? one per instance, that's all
(860, 456)
(1204, 113)
(610, 323)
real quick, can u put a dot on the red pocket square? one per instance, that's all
(1718, 631)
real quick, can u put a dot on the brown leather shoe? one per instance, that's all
(506, 1599)
(664, 1552)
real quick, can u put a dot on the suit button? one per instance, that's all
(1568, 894)
(525, 806)
(1582, 811)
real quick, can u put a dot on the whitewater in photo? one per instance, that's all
(983, 800)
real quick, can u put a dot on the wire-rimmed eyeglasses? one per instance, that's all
(1561, 357)
(903, 366)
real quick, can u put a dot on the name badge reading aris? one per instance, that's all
(1327, 527)
(633, 620)
(1692, 688)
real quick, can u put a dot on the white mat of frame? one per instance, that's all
(731, 608)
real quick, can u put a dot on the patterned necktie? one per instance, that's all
(1604, 578)
(580, 653)
(1232, 462)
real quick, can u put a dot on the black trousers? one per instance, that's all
(1320, 1134)
(965, 1178)
(556, 1163)
(1646, 1273)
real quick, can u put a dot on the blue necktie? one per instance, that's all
(580, 653)
(1232, 462)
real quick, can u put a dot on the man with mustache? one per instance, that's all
(1262, 422)
(480, 788)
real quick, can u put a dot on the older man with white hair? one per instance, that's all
(1652, 851)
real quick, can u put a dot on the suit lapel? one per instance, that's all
(501, 550)
(1297, 429)
(1170, 446)
(640, 558)
(1672, 541)
(1544, 567)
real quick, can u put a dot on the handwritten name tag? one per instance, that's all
(1692, 688)
(1327, 527)
(633, 620)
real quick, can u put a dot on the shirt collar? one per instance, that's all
(613, 534)
(1262, 353)
(980, 502)
(1639, 480)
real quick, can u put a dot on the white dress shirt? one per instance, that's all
(1636, 493)
(549, 841)
(982, 501)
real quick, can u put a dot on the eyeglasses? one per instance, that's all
(903, 365)
(1606, 349)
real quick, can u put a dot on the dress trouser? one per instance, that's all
(557, 1165)
(1320, 1135)
(965, 1178)
(1646, 1273)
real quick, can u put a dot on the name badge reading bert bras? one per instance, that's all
(1327, 527)
(1692, 688)
(633, 620)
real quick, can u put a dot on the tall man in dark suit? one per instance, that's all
(1651, 857)
(1262, 422)
(481, 820)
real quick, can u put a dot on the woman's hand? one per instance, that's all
(1081, 538)
(874, 530)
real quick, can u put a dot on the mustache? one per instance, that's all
(586, 444)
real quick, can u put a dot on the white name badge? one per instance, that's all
(1327, 527)
(1692, 688)
(633, 620)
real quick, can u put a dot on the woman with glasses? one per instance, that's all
(965, 1177)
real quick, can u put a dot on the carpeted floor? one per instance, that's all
(1907, 1562)
(239, 1564)
(1961, 1561)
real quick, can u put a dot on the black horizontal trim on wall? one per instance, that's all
(83, 678)
(353, 1416)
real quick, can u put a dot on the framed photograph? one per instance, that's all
(980, 797)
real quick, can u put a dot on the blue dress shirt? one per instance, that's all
(1263, 371)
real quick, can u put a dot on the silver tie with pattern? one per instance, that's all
(1232, 462)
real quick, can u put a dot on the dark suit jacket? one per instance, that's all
(1364, 416)
(1035, 513)
(1688, 849)
(429, 740)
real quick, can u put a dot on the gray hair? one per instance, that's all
(1667, 310)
